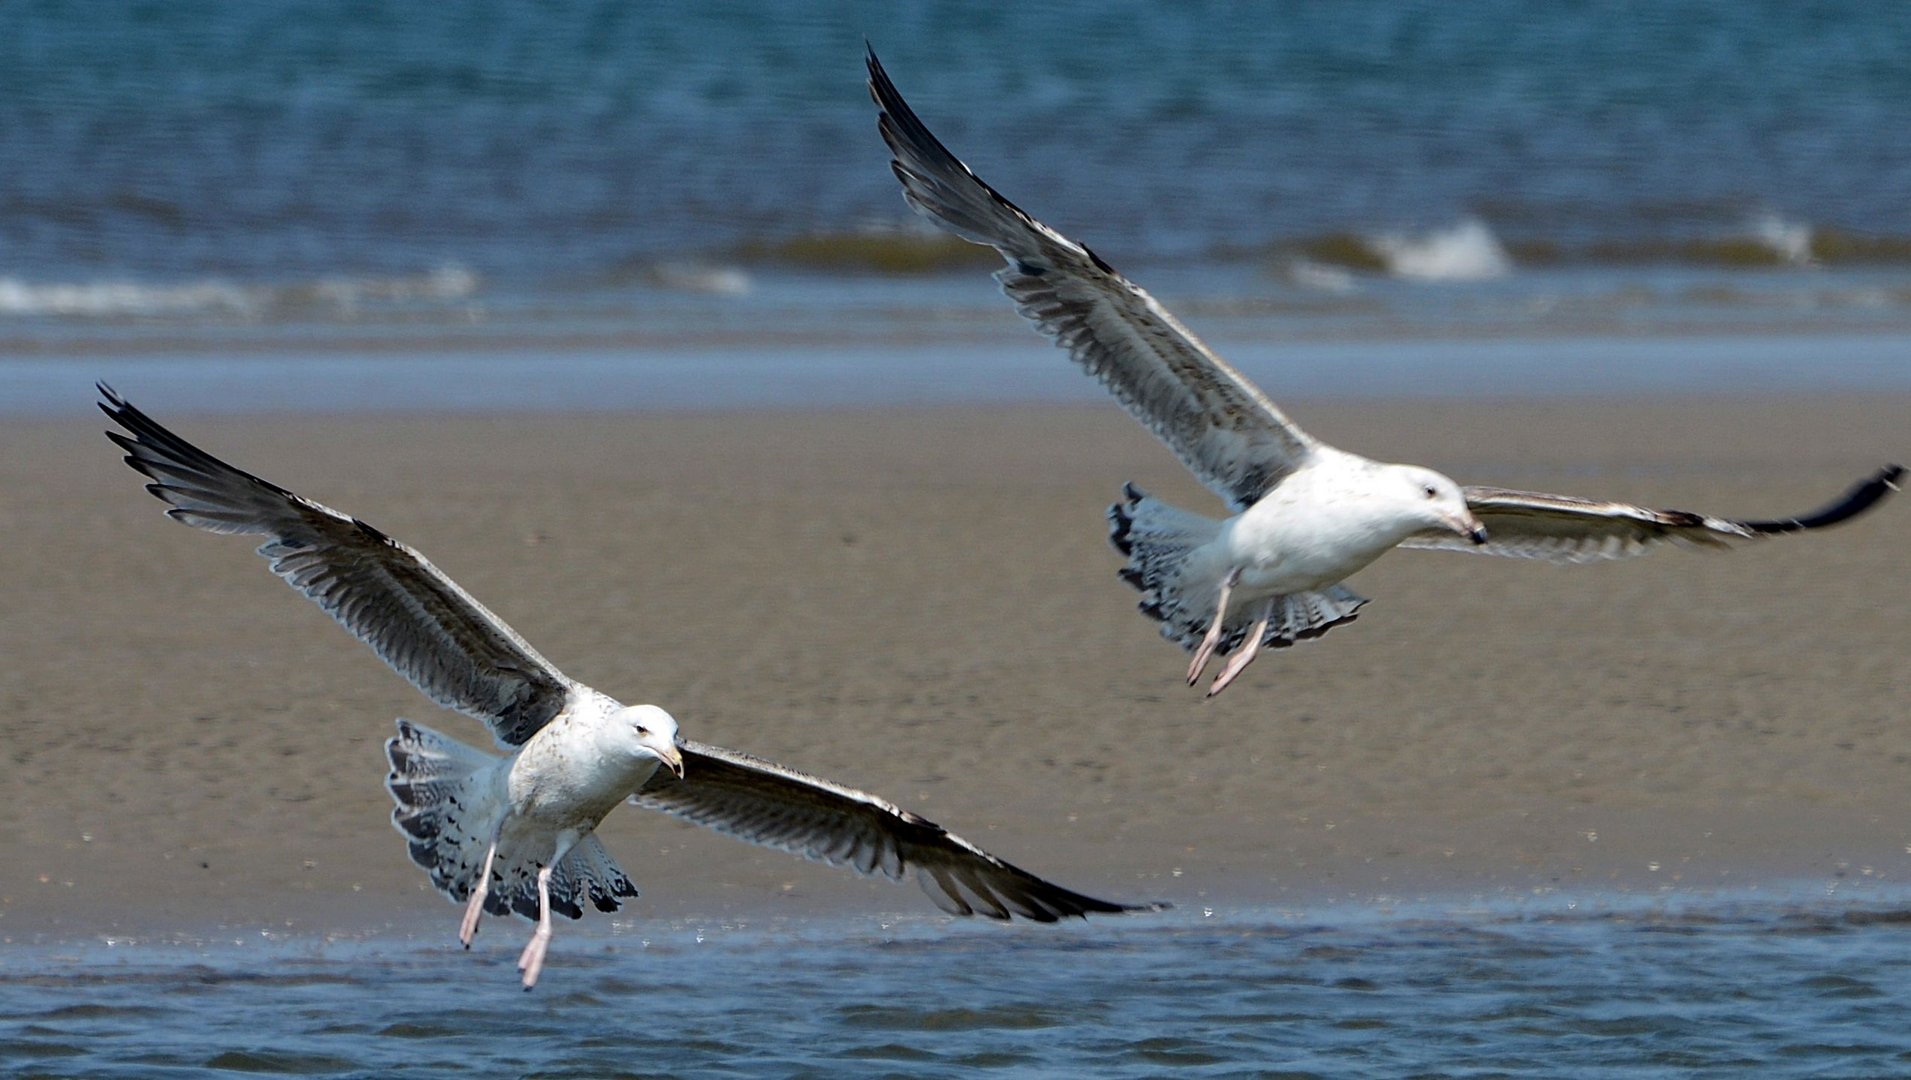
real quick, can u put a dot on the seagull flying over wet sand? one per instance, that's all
(513, 833)
(1306, 514)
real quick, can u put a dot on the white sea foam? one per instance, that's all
(1467, 251)
(341, 295)
(1321, 277)
(103, 299)
(447, 282)
(697, 277)
(1791, 240)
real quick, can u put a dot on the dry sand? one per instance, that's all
(921, 603)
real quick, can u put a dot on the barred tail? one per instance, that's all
(1157, 538)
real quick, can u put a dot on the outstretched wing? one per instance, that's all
(765, 803)
(1217, 422)
(1562, 528)
(414, 617)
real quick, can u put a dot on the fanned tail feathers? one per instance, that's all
(1297, 617)
(448, 804)
(1157, 538)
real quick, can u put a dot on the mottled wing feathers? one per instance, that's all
(765, 803)
(414, 617)
(1563, 528)
(1219, 424)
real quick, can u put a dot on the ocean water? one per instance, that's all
(1696, 988)
(192, 173)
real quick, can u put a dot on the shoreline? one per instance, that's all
(918, 602)
(685, 922)
(1006, 367)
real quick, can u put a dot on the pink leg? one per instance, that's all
(532, 961)
(1250, 645)
(468, 929)
(1206, 649)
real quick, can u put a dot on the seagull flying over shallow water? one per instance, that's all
(513, 834)
(1306, 514)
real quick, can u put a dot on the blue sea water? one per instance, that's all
(676, 168)
(1722, 989)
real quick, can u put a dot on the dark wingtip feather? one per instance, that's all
(147, 438)
(1076, 905)
(899, 125)
(1121, 521)
(1119, 526)
(1863, 496)
(1044, 901)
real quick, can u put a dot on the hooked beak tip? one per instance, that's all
(1477, 534)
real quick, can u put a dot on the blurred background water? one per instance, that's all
(188, 173)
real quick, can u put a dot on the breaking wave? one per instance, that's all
(886, 249)
(1765, 240)
(339, 296)
(1472, 250)
(101, 299)
(1467, 251)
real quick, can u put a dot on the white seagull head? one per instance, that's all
(1436, 502)
(646, 730)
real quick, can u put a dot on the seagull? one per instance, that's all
(513, 833)
(1306, 515)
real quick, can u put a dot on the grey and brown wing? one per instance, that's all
(414, 617)
(1562, 528)
(1219, 424)
(765, 803)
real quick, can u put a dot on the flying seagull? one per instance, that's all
(1306, 514)
(513, 834)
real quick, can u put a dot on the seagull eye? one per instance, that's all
(1432, 492)
(642, 730)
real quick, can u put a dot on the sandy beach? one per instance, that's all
(921, 603)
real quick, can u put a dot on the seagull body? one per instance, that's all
(1306, 514)
(514, 833)
(1279, 547)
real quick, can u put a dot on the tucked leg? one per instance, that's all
(1250, 645)
(473, 908)
(1206, 649)
(532, 961)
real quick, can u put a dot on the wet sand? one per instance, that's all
(921, 603)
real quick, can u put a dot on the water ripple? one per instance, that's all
(1772, 992)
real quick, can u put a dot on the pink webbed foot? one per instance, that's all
(474, 908)
(531, 961)
(1205, 650)
(1250, 647)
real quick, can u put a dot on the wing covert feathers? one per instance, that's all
(1229, 434)
(388, 595)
